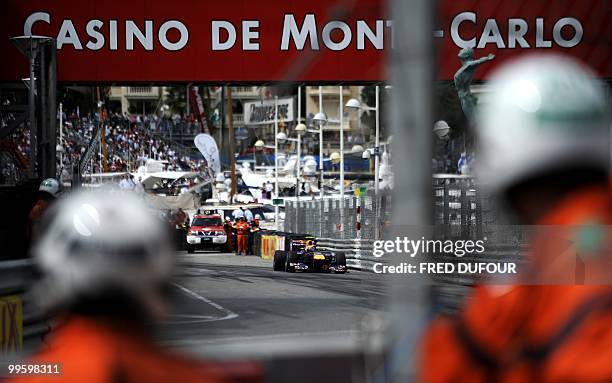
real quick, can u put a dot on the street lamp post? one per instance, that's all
(282, 138)
(321, 119)
(355, 104)
(302, 128)
(341, 162)
(377, 166)
(276, 209)
(377, 145)
(441, 129)
(321, 114)
(279, 139)
(60, 146)
(299, 129)
(29, 46)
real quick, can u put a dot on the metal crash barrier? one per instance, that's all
(20, 320)
(359, 253)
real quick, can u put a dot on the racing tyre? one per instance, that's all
(340, 259)
(190, 249)
(280, 259)
(291, 258)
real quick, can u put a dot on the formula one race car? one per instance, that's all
(303, 255)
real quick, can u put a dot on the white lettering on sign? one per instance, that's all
(112, 25)
(517, 30)
(540, 40)
(163, 35)
(93, 30)
(136, 33)
(248, 34)
(299, 36)
(490, 34)
(347, 35)
(145, 39)
(456, 23)
(308, 32)
(333, 35)
(217, 44)
(34, 17)
(572, 23)
(68, 35)
(377, 39)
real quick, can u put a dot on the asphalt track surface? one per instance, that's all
(230, 304)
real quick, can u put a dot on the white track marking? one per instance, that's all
(296, 336)
(228, 313)
(188, 319)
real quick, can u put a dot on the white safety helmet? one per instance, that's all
(51, 186)
(257, 216)
(545, 113)
(99, 241)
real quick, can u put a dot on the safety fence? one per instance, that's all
(463, 211)
(356, 217)
(457, 206)
(460, 210)
(349, 226)
(20, 319)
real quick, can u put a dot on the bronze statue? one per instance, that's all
(463, 80)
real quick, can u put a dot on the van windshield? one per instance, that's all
(206, 222)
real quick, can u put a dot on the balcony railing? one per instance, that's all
(115, 92)
(245, 91)
(142, 91)
(238, 119)
(327, 90)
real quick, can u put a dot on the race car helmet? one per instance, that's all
(51, 186)
(102, 241)
(545, 113)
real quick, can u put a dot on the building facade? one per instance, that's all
(329, 98)
(135, 99)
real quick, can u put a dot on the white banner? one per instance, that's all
(208, 147)
(262, 112)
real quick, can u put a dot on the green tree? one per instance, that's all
(176, 98)
(368, 118)
(448, 108)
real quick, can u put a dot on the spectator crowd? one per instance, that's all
(131, 140)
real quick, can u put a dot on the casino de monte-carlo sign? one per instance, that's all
(255, 42)
(262, 112)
